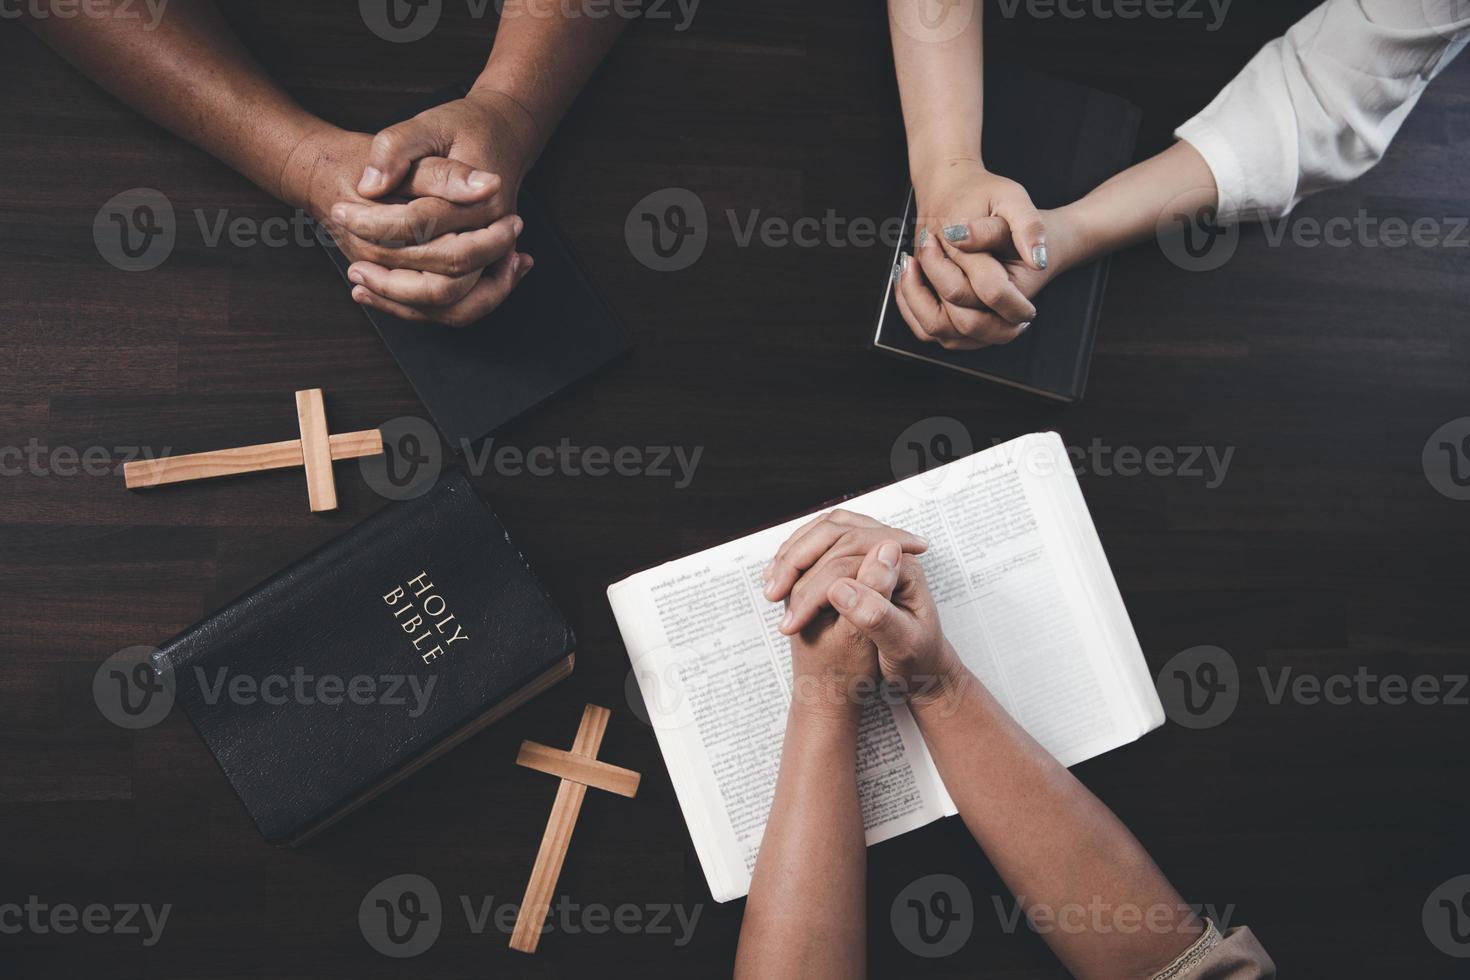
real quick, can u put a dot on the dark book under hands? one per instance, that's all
(367, 659)
(551, 332)
(1059, 140)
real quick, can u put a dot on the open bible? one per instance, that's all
(1025, 595)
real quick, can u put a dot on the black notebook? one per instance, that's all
(358, 664)
(1059, 140)
(551, 332)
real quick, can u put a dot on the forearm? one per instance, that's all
(542, 57)
(940, 83)
(1098, 899)
(189, 74)
(1127, 208)
(804, 917)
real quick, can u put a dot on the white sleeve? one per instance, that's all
(1319, 106)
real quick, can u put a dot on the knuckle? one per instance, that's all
(388, 141)
(456, 262)
(441, 291)
(422, 216)
(952, 292)
(390, 233)
(376, 254)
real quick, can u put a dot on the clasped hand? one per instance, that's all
(858, 610)
(425, 210)
(981, 253)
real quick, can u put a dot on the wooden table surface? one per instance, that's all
(1325, 548)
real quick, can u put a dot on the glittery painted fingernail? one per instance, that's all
(897, 269)
(1020, 329)
(923, 237)
(904, 263)
(956, 233)
(1038, 255)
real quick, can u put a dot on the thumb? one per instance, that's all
(451, 180)
(1028, 231)
(988, 234)
(393, 151)
(870, 613)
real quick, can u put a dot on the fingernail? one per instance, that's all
(923, 237)
(768, 573)
(339, 214)
(904, 263)
(897, 269)
(786, 621)
(956, 233)
(517, 225)
(354, 276)
(888, 554)
(372, 177)
(845, 595)
(478, 179)
(1022, 328)
(1038, 255)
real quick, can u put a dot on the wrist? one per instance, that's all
(1070, 239)
(1078, 238)
(832, 695)
(942, 686)
(514, 123)
(835, 717)
(307, 148)
(930, 170)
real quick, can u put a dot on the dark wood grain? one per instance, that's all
(1324, 548)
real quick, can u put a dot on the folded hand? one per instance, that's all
(429, 219)
(980, 254)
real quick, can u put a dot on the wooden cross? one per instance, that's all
(578, 769)
(315, 451)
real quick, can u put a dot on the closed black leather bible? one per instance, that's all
(1059, 140)
(368, 658)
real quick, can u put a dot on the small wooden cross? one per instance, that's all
(578, 769)
(315, 451)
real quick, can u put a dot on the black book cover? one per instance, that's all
(368, 658)
(1059, 140)
(551, 332)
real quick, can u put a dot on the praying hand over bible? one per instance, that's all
(860, 609)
